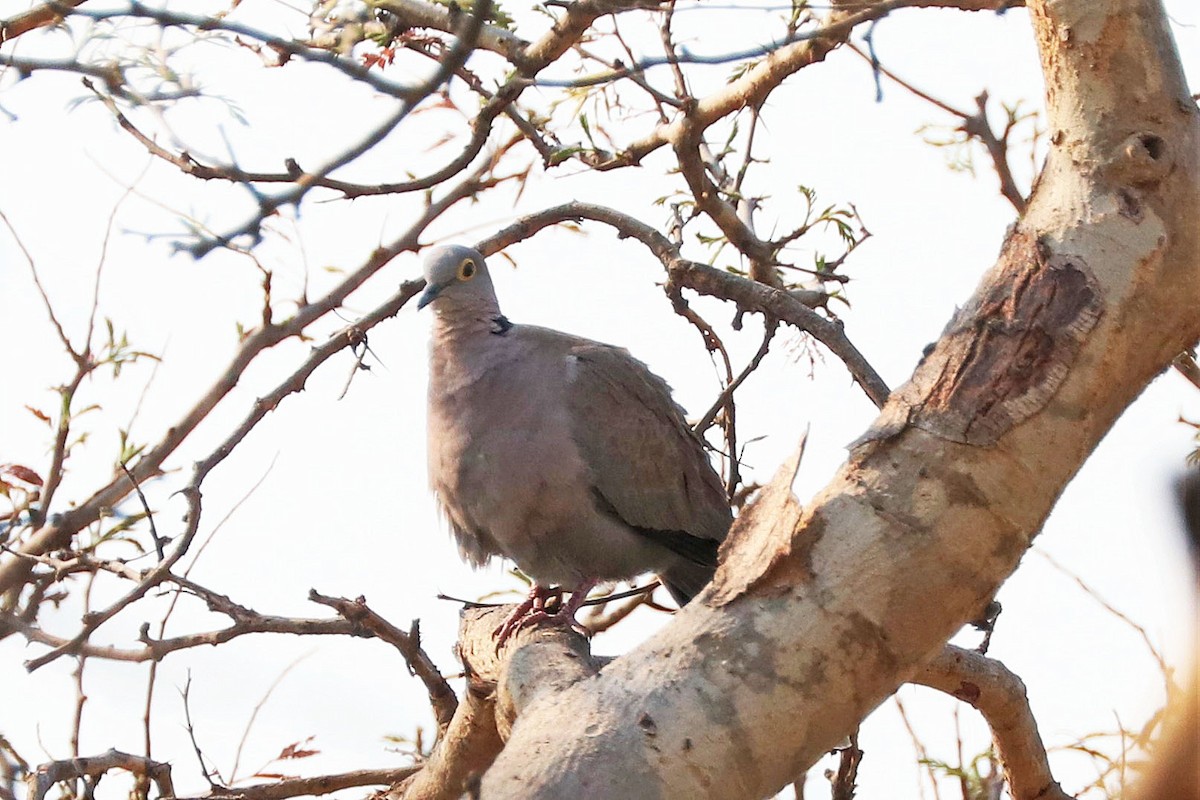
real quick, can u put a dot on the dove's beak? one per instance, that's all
(429, 295)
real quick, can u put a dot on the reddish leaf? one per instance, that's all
(39, 414)
(21, 473)
(296, 750)
(383, 58)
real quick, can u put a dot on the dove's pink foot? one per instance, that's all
(533, 609)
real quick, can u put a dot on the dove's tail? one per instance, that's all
(685, 579)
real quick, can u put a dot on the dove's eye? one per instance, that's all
(466, 270)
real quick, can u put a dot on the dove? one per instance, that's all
(565, 455)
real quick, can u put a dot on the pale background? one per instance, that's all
(342, 505)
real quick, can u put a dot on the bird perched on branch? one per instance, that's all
(565, 455)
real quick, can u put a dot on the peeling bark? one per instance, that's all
(1003, 358)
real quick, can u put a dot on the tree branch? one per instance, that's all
(37, 17)
(52, 772)
(319, 785)
(441, 696)
(998, 694)
(748, 295)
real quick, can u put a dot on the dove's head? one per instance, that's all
(456, 277)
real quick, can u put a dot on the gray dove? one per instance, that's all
(565, 455)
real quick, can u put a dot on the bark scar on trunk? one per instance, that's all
(1004, 356)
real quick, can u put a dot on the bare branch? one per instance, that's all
(975, 126)
(111, 74)
(441, 696)
(748, 295)
(168, 18)
(319, 785)
(52, 772)
(1000, 696)
(722, 399)
(788, 57)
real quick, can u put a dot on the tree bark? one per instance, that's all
(815, 617)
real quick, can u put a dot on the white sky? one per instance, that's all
(343, 507)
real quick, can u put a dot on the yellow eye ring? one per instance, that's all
(466, 270)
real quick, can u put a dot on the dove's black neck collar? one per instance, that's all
(501, 325)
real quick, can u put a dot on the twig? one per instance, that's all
(152, 578)
(844, 780)
(919, 749)
(598, 622)
(705, 421)
(319, 785)
(245, 622)
(455, 57)
(1110, 608)
(714, 344)
(978, 127)
(975, 125)
(80, 664)
(167, 17)
(12, 768)
(159, 542)
(185, 694)
(876, 66)
(441, 697)
(1185, 365)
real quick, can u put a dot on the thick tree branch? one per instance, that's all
(535, 664)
